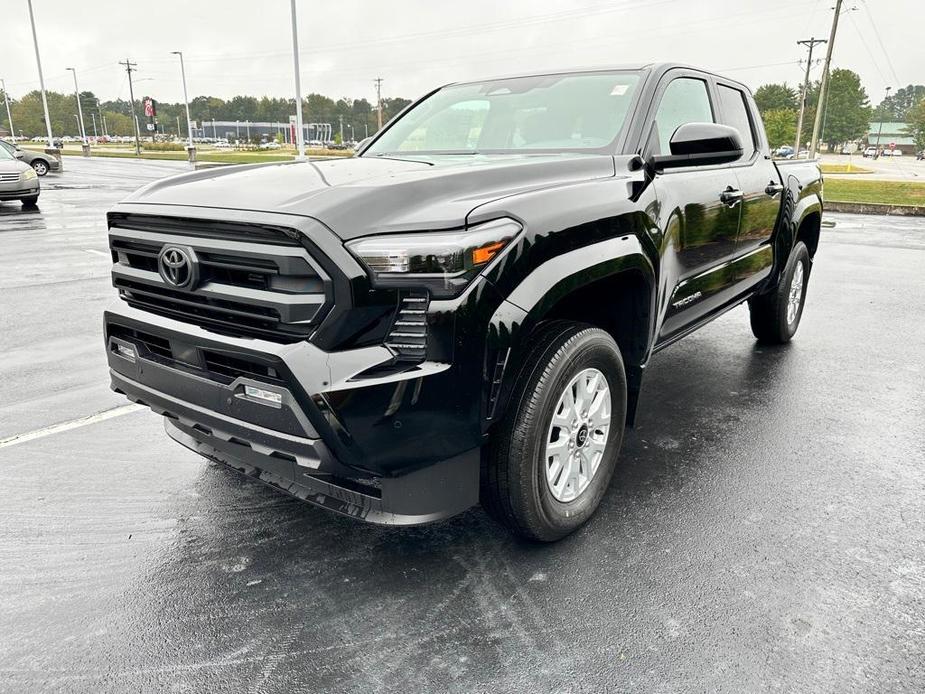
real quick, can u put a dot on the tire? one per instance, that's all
(30, 201)
(774, 317)
(40, 166)
(514, 486)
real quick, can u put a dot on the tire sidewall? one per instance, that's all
(37, 163)
(594, 350)
(799, 255)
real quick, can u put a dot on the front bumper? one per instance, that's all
(19, 189)
(388, 449)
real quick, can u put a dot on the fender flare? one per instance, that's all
(539, 292)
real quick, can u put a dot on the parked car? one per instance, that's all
(892, 152)
(270, 145)
(222, 144)
(41, 162)
(870, 152)
(783, 152)
(464, 310)
(18, 180)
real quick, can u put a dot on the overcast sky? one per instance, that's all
(244, 46)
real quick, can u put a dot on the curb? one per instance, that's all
(875, 208)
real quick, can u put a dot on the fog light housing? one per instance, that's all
(125, 352)
(263, 396)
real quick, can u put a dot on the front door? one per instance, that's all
(699, 210)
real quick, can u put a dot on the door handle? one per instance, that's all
(773, 189)
(731, 196)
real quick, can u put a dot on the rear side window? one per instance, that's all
(685, 100)
(735, 113)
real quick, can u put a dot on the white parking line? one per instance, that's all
(67, 426)
(102, 253)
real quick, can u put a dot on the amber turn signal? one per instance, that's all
(482, 255)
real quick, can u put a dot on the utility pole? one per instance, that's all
(9, 116)
(93, 117)
(378, 82)
(130, 68)
(880, 124)
(341, 120)
(85, 146)
(824, 85)
(300, 136)
(38, 60)
(190, 149)
(810, 43)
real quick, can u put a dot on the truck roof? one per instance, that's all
(651, 67)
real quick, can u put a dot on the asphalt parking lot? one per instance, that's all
(765, 530)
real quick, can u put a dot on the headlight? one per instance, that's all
(28, 174)
(445, 262)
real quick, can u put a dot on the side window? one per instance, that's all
(735, 113)
(685, 100)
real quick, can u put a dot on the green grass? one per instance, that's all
(882, 192)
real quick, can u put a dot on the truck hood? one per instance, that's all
(363, 195)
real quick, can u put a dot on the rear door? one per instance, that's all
(759, 182)
(700, 224)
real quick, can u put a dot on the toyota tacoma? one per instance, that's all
(462, 312)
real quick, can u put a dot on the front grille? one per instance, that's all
(267, 287)
(408, 337)
(9, 177)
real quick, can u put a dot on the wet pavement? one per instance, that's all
(765, 530)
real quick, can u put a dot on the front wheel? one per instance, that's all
(30, 201)
(40, 166)
(775, 316)
(552, 458)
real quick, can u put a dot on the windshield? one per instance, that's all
(5, 153)
(583, 111)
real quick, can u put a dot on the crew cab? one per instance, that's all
(464, 311)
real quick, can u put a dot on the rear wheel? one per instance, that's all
(551, 461)
(775, 316)
(40, 166)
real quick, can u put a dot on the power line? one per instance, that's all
(886, 55)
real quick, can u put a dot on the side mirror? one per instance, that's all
(18, 153)
(700, 144)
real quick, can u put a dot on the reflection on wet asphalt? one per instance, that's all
(764, 531)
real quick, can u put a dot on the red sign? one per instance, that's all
(892, 145)
(149, 107)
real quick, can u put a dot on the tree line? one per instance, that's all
(847, 112)
(358, 115)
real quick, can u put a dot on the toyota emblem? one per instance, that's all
(178, 266)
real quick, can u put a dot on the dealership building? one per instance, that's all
(890, 133)
(243, 130)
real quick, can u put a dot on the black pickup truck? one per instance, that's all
(463, 312)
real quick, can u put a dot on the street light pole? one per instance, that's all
(9, 116)
(38, 60)
(80, 111)
(300, 136)
(189, 123)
